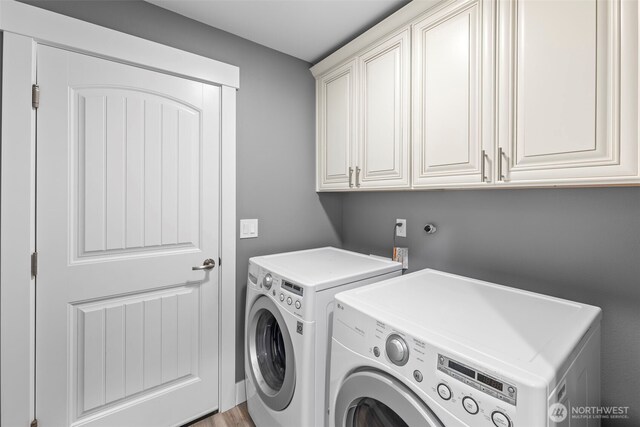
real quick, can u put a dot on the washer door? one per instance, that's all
(375, 399)
(271, 358)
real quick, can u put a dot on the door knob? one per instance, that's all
(208, 264)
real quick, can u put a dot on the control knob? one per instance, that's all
(267, 282)
(397, 350)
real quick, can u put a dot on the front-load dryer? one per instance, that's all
(435, 349)
(288, 321)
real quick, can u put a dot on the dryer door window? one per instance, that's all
(373, 398)
(271, 361)
(370, 412)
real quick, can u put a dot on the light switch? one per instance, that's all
(248, 228)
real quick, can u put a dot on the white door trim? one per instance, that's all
(57, 30)
(25, 27)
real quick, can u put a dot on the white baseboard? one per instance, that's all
(241, 392)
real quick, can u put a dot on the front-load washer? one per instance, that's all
(435, 349)
(288, 321)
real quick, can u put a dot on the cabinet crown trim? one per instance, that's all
(398, 19)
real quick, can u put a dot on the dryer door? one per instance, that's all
(271, 357)
(375, 399)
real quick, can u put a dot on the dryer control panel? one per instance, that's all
(459, 389)
(478, 380)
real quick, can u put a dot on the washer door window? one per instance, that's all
(270, 354)
(375, 399)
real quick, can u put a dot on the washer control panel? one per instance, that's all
(478, 380)
(289, 295)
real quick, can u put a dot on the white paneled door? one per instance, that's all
(127, 204)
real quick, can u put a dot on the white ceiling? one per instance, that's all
(306, 29)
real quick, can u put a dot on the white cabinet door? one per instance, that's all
(452, 96)
(336, 133)
(384, 103)
(568, 91)
(127, 196)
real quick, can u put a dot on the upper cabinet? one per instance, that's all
(383, 140)
(452, 109)
(567, 91)
(363, 119)
(483, 93)
(336, 127)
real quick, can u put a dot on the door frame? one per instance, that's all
(24, 27)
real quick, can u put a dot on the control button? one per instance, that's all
(470, 405)
(376, 351)
(417, 375)
(267, 281)
(397, 350)
(298, 304)
(441, 359)
(444, 391)
(281, 296)
(511, 390)
(289, 300)
(500, 420)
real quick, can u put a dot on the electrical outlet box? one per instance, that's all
(401, 255)
(401, 230)
(248, 228)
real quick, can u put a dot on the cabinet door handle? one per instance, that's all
(482, 167)
(350, 177)
(357, 176)
(501, 176)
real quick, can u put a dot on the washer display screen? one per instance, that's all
(462, 369)
(490, 381)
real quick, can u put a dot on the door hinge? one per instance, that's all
(34, 423)
(34, 265)
(35, 96)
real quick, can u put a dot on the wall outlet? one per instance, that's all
(248, 228)
(401, 230)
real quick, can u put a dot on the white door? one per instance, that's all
(336, 128)
(383, 149)
(567, 82)
(451, 128)
(127, 204)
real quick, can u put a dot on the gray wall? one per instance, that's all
(275, 131)
(579, 244)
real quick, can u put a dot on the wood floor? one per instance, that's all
(236, 417)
